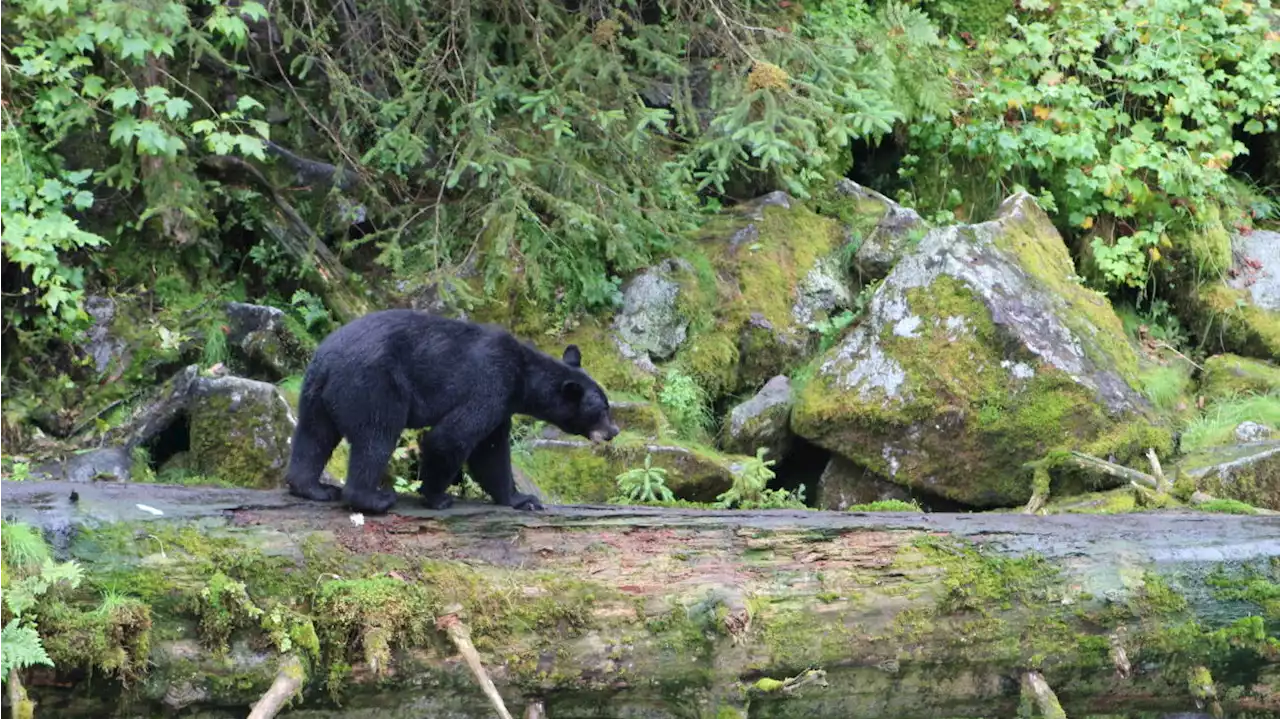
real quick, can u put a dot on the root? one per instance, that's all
(288, 681)
(461, 637)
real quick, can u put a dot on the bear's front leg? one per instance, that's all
(490, 464)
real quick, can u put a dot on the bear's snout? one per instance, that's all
(605, 433)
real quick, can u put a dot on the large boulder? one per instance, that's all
(239, 431)
(980, 353)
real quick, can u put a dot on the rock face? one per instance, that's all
(980, 353)
(107, 464)
(107, 350)
(762, 421)
(240, 431)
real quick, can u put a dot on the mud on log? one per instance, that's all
(623, 611)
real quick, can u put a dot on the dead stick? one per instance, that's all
(1162, 485)
(20, 706)
(288, 681)
(1085, 461)
(1036, 690)
(461, 637)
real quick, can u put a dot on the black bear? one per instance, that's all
(401, 369)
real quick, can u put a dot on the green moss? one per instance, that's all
(1167, 386)
(601, 358)
(579, 472)
(886, 505)
(113, 637)
(240, 441)
(1227, 375)
(979, 582)
(224, 606)
(1226, 506)
(1237, 325)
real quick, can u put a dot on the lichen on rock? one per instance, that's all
(762, 421)
(980, 353)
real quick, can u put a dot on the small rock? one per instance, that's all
(762, 421)
(1252, 432)
(885, 244)
(1247, 473)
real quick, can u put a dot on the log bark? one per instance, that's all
(618, 611)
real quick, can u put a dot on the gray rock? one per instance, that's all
(261, 343)
(650, 320)
(106, 349)
(1256, 267)
(889, 239)
(825, 289)
(844, 484)
(1252, 432)
(762, 421)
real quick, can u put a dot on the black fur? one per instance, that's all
(400, 369)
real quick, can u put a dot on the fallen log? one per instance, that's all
(621, 611)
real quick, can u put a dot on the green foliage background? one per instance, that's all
(558, 146)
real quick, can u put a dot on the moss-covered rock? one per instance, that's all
(778, 267)
(980, 353)
(261, 344)
(240, 431)
(1241, 313)
(651, 320)
(572, 471)
(1247, 473)
(1227, 375)
(881, 228)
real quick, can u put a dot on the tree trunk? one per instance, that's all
(635, 611)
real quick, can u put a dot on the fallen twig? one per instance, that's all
(461, 637)
(289, 679)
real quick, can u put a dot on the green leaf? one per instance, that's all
(134, 47)
(123, 131)
(203, 127)
(244, 103)
(177, 108)
(122, 97)
(82, 200)
(20, 647)
(154, 95)
(251, 146)
(92, 86)
(253, 10)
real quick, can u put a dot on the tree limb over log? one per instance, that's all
(1157, 483)
(614, 609)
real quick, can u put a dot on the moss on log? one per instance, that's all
(629, 611)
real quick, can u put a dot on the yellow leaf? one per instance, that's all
(1155, 254)
(1088, 223)
(1041, 112)
(1164, 240)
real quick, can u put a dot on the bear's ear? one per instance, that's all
(572, 356)
(572, 391)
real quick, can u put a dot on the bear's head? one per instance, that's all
(583, 408)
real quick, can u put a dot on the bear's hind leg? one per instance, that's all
(370, 453)
(314, 439)
(433, 486)
(490, 464)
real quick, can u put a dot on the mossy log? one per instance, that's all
(631, 611)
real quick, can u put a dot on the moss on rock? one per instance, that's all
(1247, 473)
(980, 355)
(240, 431)
(1226, 375)
(573, 471)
